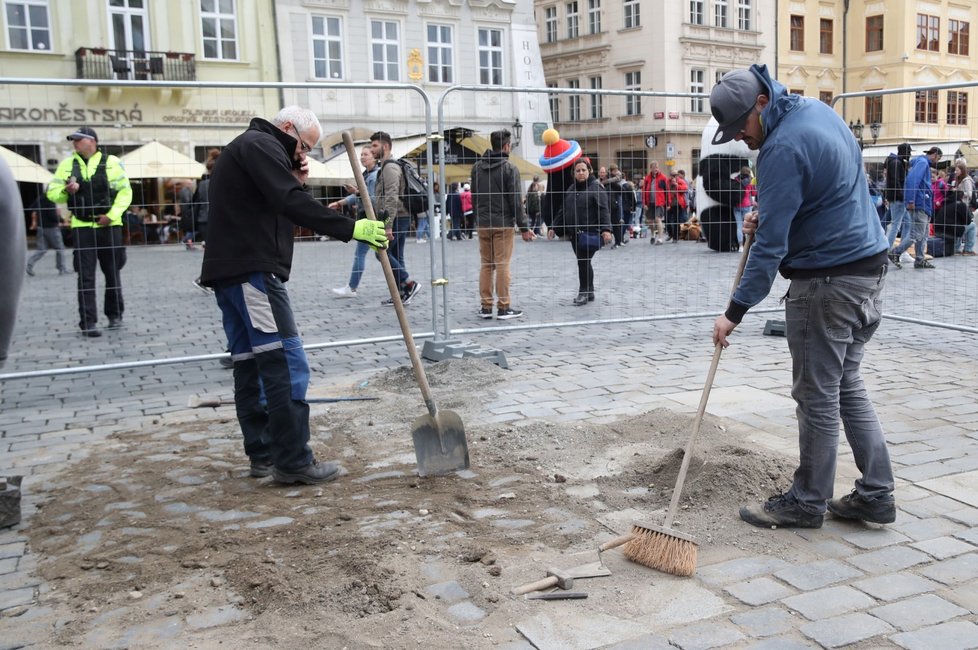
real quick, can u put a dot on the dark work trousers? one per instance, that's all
(103, 245)
(271, 372)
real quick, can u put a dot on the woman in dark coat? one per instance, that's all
(586, 221)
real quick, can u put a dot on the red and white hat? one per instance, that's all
(558, 154)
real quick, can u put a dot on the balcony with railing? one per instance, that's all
(139, 65)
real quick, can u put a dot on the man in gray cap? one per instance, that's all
(818, 227)
(97, 191)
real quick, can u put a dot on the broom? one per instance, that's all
(660, 547)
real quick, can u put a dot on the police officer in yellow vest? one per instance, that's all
(97, 191)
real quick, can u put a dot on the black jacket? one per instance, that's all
(255, 204)
(584, 209)
(952, 219)
(896, 178)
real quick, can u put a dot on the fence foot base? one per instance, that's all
(441, 350)
(774, 328)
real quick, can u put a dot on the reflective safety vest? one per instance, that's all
(104, 189)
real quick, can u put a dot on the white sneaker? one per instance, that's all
(905, 258)
(345, 292)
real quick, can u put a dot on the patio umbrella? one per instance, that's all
(24, 169)
(331, 172)
(155, 160)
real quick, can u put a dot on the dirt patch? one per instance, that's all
(165, 524)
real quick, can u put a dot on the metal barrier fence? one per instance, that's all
(639, 283)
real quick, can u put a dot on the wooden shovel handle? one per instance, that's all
(535, 586)
(391, 281)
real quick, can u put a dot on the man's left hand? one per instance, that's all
(302, 173)
(103, 220)
(722, 327)
(528, 235)
(606, 237)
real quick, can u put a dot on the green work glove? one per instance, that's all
(370, 231)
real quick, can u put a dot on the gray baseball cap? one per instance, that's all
(731, 101)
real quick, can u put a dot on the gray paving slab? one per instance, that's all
(896, 585)
(845, 630)
(828, 602)
(818, 574)
(957, 635)
(918, 611)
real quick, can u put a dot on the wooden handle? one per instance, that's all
(616, 542)
(704, 398)
(391, 281)
(535, 586)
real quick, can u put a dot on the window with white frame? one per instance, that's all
(572, 20)
(696, 11)
(574, 102)
(594, 16)
(718, 75)
(633, 103)
(219, 26)
(632, 14)
(490, 56)
(720, 18)
(597, 105)
(385, 50)
(550, 24)
(554, 100)
(441, 44)
(696, 85)
(327, 47)
(744, 21)
(28, 25)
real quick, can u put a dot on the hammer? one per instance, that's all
(555, 578)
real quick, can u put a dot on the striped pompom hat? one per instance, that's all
(558, 154)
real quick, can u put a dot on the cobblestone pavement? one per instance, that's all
(913, 584)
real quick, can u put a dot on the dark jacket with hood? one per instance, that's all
(896, 177)
(255, 204)
(496, 197)
(585, 208)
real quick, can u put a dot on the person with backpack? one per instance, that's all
(97, 191)
(391, 187)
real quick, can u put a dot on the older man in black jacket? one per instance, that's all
(256, 200)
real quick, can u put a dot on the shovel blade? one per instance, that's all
(439, 444)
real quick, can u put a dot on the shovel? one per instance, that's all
(439, 436)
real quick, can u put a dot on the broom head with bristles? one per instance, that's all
(663, 549)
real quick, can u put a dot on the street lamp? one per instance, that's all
(874, 130)
(517, 132)
(857, 130)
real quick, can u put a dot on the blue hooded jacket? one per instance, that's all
(815, 211)
(918, 189)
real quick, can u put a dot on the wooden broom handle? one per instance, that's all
(616, 542)
(385, 262)
(704, 398)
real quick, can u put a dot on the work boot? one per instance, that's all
(311, 474)
(261, 468)
(581, 299)
(779, 510)
(881, 510)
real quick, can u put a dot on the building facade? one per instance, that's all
(832, 47)
(639, 45)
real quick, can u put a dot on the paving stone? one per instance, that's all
(845, 630)
(966, 516)
(740, 569)
(270, 522)
(16, 597)
(895, 586)
(825, 603)
(942, 548)
(703, 636)
(818, 574)
(970, 535)
(923, 529)
(13, 549)
(956, 635)
(449, 592)
(644, 642)
(957, 570)
(8, 565)
(781, 643)
(876, 538)
(918, 611)
(466, 612)
(759, 591)
(888, 560)
(765, 621)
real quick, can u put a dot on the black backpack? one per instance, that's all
(415, 197)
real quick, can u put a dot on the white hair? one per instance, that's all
(303, 118)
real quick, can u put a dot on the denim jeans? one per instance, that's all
(739, 214)
(423, 232)
(900, 222)
(358, 263)
(918, 236)
(268, 361)
(395, 249)
(829, 321)
(969, 237)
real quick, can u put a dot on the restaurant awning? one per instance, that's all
(24, 169)
(155, 160)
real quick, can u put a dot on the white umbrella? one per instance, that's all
(24, 169)
(155, 160)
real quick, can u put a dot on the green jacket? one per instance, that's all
(118, 186)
